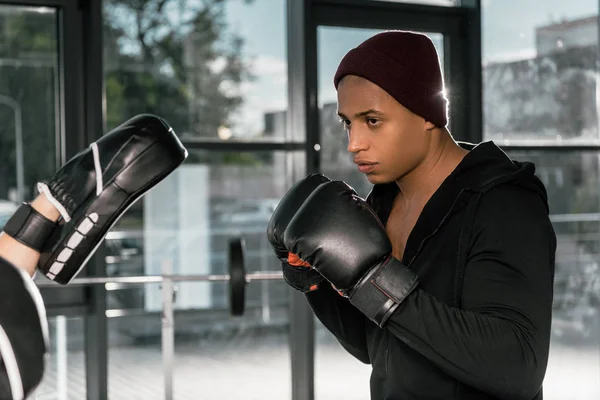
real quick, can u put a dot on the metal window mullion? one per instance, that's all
(90, 87)
(302, 121)
(386, 15)
(226, 146)
(40, 3)
(474, 62)
(549, 148)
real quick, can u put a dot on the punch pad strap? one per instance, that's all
(29, 227)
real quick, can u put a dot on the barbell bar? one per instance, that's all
(237, 278)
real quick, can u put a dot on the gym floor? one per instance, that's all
(255, 365)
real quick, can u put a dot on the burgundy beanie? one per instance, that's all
(404, 64)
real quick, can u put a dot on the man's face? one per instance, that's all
(386, 140)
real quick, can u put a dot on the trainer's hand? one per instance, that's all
(339, 235)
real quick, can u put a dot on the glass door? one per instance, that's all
(339, 29)
(332, 44)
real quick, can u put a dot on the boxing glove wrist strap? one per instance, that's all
(383, 289)
(29, 227)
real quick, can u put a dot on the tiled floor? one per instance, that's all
(256, 367)
(243, 367)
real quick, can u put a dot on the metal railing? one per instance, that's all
(167, 305)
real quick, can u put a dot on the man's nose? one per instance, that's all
(357, 141)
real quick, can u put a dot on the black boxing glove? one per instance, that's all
(347, 243)
(302, 278)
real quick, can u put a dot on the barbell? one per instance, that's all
(237, 278)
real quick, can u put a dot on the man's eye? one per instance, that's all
(372, 121)
(345, 123)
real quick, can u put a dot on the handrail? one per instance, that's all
(575, 217)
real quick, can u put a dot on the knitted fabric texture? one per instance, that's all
(405, 65)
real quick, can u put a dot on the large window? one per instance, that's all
(540, 71)
(213, 69)
(28, 87)
(333, 44)
(540, 93)
(332, 360)
(217, 72)
(183, 227)
(572, 180)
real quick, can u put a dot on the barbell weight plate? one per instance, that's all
(237, 277)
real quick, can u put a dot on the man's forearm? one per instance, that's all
(498, 353)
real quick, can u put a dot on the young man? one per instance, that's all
(60, 230)
(442, 279)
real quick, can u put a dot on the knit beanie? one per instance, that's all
(405, 65)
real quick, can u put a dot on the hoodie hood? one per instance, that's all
(483, 168)
(487, 166)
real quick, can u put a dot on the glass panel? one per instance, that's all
(540, 71)
(28, 87)
(64, 377)
(333, 44)
(183, 226)
(135, 362)
(223, 357)
(572, 181)
(337, 373)
(185, 223)
(213, 69)
(331, 360)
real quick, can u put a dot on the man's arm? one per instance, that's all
(342, 319)
(498, 341)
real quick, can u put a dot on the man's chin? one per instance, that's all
(377, 179)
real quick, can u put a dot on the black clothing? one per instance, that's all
(23, 333)
(478, 325)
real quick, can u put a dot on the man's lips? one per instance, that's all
(365, 166)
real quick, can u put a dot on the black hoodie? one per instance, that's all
(478, 326)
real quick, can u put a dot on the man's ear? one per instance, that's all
(429, 126)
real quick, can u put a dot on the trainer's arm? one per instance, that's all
(18, 254)
(23, 333)
(23, 324)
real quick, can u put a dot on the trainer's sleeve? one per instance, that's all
(498, 341)
(23, 333)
